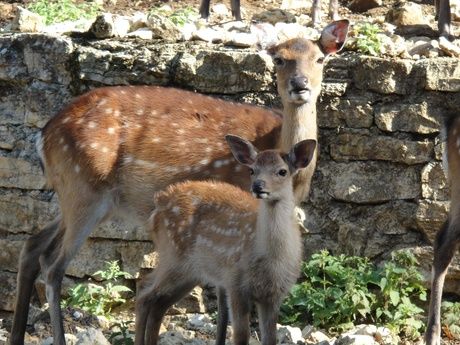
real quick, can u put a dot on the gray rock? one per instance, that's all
(356, 340)
(163, 28)
(288, 334)
(364, 5)
(353, 112)
(414, 117)
(7, 290)
(109, 25)
(443, 74)
(407, 13)
(19, 173)
(350, 146)
(274, 16)
(431, 215)
(434, 182)
(70, 339)
(373, 182)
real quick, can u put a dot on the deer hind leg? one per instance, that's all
(334, 9)
(268, 316)
(222, 317)
(236, 9)
(29, 268)
(153, 301)
(444, 250)
(316, 12)
(204, 8)
(79, 221)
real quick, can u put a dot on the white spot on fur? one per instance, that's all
(138, 96)
(458, 142)
(94, 145)
(180, 131)
(189, 101)
(154, 112)
(91, 124)
(102, 102)
(116, 113)
(123, 92)
(128, 159)
(105, 149)
(39, 146)
(217, 164)
(156, 140)
(140, 112)
(175, 124)
(77, 168)
(146, 164)
(61, 141)
(204, 161)
(79, 121)
(109, 111)
(111, 130)
(65, 148)
(67, 119)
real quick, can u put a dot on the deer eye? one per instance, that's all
(278, 61)
(251, 171)
(282, 172)
(320, 60)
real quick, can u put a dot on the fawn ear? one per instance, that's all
(333, 36)
(302, 153)
(243, 151)
(266, 35)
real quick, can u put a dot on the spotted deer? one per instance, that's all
(112, 148)
(448, 237)
(215, 233)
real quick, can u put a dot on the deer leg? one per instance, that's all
(268, 316)
(443, 13)
(444, 250)
(204, 8)
(236, 9)
(79, 223)
(316, 12)
(240, 309)
(334, 9)
(29, 268)
(153, 302)
(222, 316)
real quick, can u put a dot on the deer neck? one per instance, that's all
(276, 230)
(299, 123)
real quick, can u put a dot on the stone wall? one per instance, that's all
(379, 185)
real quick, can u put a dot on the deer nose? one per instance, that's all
(299, 82)
(258, 186)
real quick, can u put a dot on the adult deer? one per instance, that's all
(112, 148)
(448, 237)
(217, 233)
(315, 11)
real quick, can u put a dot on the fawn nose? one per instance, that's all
(299, 83)
(258, 186)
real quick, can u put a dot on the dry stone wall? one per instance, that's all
(379, 185)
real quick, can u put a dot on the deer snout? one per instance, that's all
(299, 89)
(258, 189)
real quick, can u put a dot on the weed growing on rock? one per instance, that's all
(367, 39)
(100, 299)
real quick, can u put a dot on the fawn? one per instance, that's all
(213, 232)
(448, 237)
(112, 148)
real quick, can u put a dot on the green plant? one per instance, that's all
(100, 299)
(121, 334)
(367, 39)
(450, 313)
(400, 285)
(56, 11)
(179, 17)
(339, 291)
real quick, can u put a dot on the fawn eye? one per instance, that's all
(320, 60)
(251, 171)
(282, 172)
(278, 61)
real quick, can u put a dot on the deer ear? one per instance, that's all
(243, 151)
(333, 36)
(302, 153)
(266, 35)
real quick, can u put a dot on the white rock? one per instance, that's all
(293, 4)
(138, 20)
(163, 28)
(27, 21)
(81, 25)
(69, 338)
(197, 321)
(220, 9)
(109, 25)
(240, 39)
(209, 35)
(187, 31)
(307, 330)
(448, 47)
(289, 334)
(91, 336)
(316, 337)
(142, 33)
(356, 339)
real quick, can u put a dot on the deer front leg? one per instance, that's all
(240, 308)
(444, 250)
(268, 317)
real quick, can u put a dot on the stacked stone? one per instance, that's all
(379, 185)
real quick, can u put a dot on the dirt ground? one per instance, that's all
(249, 7)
